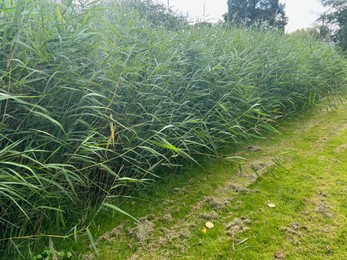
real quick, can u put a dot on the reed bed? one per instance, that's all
(96, 99)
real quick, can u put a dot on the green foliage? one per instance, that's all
(313, 32)
(95, 99)
(156, 14)
(266, 13)
(334, 21)
(49, 255)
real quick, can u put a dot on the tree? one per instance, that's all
(268, 13)
(312, 32)
(334, 21)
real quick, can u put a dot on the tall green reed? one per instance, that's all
(97, 98)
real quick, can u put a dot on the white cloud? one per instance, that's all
(302, 14)
(214, 9)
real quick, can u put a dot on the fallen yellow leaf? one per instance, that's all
(209, 224)
(204, 230)
(271, 205)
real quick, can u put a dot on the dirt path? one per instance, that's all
(287, 200)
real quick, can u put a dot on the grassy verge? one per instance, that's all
(302, 172)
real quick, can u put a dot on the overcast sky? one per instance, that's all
(301, 13)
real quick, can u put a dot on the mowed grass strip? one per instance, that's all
(302, 172)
